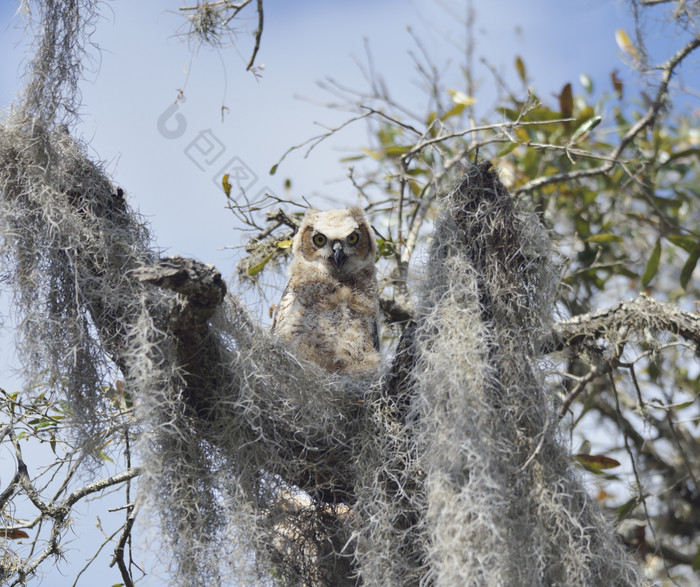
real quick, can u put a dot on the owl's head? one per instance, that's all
(339, 242)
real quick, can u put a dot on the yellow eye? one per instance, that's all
(353, 238)
(319, 239)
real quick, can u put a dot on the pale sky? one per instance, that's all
(171, 176)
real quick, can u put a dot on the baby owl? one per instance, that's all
(328, 311)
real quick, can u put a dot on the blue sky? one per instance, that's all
(170, 175)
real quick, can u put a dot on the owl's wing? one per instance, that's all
(275, 318)
(375, 335)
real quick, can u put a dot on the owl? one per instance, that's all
(329, 309)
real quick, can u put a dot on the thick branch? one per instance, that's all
(200, 292)
(636, 315)
(200, 287)
(395, 312)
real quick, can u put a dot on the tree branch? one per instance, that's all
(645, 121)
(118, 557)
(636, 315)
(258, 36)
(595, 372)
(99, 485)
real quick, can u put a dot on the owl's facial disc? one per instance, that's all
(339, 256)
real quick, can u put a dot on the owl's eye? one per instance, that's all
(319, 239)
(353, 238)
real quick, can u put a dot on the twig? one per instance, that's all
(640, 486)
(684, 456)
(258, 36)
(595, 372)
(118, 557)
(92, 558)
(315, 141)
(538, 448)
(477, 129)
(59, 512)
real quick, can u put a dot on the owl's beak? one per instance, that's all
(339, 256)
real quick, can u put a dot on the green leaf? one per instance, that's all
(372, 154)
(284, 244)
(689, 266)
(586, 127)
(584, 114)
(628, 507)
(652, 264)
(520, 66)
(353, 158)
(128, 400)
(385, 248)
(583, 226)
(604, 237)
(396, 150)
(255, 269)
(507, 149)
(39, 423)
(456, 110)
(273, 169)
(622, 270)
(509, 113)
(105, 457)
(696, 561)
